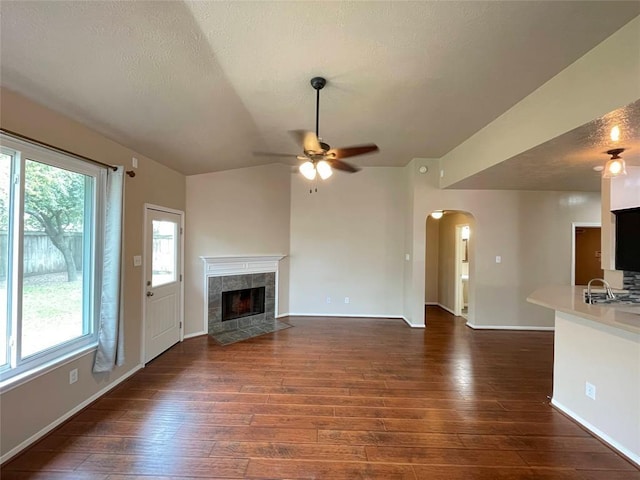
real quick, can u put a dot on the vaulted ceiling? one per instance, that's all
(199, 86)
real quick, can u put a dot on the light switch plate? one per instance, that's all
(137, 260)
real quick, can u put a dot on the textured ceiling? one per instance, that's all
(201, 85)
(567, 161)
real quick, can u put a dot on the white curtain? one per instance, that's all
(111, 331)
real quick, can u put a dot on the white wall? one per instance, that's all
(235, 212)
(608, 358)
(347, 240)
(531, 231)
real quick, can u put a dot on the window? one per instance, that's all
(50, 206)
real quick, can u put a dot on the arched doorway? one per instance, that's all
(449, 262)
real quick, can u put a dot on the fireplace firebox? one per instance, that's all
(242, 303)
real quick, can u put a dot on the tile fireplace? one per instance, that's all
(241, 297)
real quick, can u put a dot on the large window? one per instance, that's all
(50, 206)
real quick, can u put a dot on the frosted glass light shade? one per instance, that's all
(324, 169)
(437, 214)
(308, 169)
(614, 168)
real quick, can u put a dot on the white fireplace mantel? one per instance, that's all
(220, 266)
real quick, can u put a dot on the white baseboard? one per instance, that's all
(191, 335)
(38, 435)
(634, 457)
(413, 325)
(392, 317)
(345, 315)
(529, 328)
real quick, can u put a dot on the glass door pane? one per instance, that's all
(164, 261)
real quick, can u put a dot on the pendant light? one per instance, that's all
(615, 167)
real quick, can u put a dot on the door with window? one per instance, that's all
(163, 280)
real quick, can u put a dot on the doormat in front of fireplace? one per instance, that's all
(233, 336)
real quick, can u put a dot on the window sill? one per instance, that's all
(25, 377)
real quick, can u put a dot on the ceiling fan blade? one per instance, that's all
(273, 154)
(353, 151)
(308, 140)
(340, 165)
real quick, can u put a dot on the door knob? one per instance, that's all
(149, 294)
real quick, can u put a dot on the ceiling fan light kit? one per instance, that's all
(318, 158)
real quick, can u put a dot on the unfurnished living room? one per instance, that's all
(319, 240)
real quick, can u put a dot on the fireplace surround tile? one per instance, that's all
(238, 273)
(251, 325)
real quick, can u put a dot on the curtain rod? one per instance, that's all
(131, 173)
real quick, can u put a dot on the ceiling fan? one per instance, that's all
(318, 157)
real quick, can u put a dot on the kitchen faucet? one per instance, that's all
(610, 295)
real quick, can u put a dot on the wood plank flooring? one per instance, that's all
(333, 398)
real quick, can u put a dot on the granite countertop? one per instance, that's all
(568, 299)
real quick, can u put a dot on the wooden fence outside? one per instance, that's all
(40, 255)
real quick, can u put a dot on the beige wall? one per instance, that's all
(531, 231)
(347, 240)
(235, 212)
(582, 92)
(24, 412)
(432, 254)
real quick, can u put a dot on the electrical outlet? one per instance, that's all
(73, 376)
(328, 299)
(346, 300)
(590, 390)
(498, 259)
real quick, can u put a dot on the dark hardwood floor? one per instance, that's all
(333, 399)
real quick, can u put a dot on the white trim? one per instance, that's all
(193, 335)
(346, 315)
(239, 265)
(222, 266)
(598, 433)
(533, 328)
(180, 213)
(413, 325)
(575, 225)
(352, 315)
(26, 377)
(38, 435)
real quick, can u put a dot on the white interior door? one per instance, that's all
(163, 278)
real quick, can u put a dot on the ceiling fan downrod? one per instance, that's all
(318, 84)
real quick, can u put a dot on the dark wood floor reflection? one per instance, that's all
(333, 398)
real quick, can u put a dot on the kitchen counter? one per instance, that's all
(596, 365)
(569, 299)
